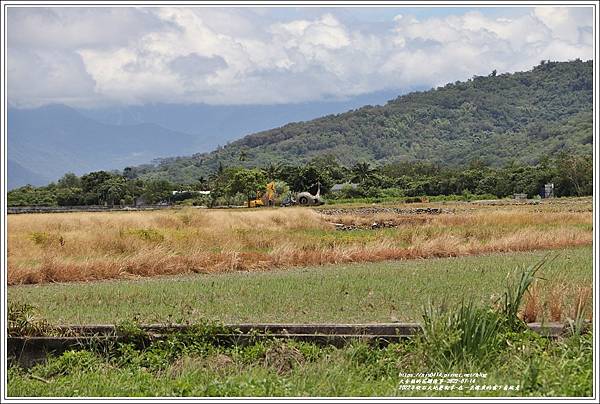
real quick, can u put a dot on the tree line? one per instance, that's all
(570, 173)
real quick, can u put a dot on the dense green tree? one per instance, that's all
(93, 181)
(31, 196)
(308, 178)
(247, 182)
(273, 170)
(157, 191)
(113, 190)
(129, 173)
(69, 180)
(70, 197)
(574, 175)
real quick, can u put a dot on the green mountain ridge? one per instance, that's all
(495, 119)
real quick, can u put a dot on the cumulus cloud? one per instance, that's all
(87, 56)
(194, 65)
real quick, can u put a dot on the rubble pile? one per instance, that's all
(366, 211)
(401, 213)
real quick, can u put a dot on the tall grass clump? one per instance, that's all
(515, 292)
(460, 336)
(469, 336)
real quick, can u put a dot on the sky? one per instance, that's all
(92, 57)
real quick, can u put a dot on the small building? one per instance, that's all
(339, 187)
(548, 191)
(191, 192)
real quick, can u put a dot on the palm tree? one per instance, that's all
(218, 174)
(273, 170)
(243, 155)
(362, 172)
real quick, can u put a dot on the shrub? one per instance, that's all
(46, 239)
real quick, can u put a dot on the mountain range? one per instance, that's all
(46, 142)
(495, 119)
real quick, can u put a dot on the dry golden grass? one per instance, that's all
(91, 246)
(556, 300)
(531, 308)
(582, 306)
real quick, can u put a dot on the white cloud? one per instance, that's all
(231, 56)
(563, 22)
(42, 76)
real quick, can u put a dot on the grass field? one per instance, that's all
(120, 245)
(523, 365)
(367, 292)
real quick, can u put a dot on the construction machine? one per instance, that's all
(255, 203)
(304, 198)
(268, 197)
(301, 198)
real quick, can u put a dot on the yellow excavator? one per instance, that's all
(269, 197)
(256, 202)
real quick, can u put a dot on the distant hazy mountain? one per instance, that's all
(218, 124)
(44, 143)
(20, 175)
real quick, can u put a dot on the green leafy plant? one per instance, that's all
(515, 292)
(24, 320)
(131, 332)
(70, 362)
(578, 325)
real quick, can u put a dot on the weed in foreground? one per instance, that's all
(460, 336)
(577, 324)
(275, 368)
(24, 320)
(515, 292)
(468, 335)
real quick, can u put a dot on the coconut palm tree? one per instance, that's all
(273, 170)
(362, 172)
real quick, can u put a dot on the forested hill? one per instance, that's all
(495, 119)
